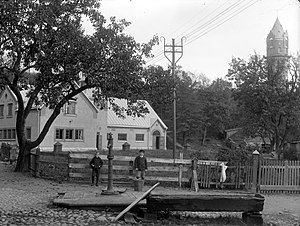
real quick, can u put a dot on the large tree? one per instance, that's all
(46, 36)
(268, 93)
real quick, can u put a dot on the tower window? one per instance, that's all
(279, 49)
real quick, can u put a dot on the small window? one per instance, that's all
(1, 111)
(59, 134)
(79, 134)
(10, 110)
(1, 134)
(139, 137)
(9, 134)
(13, 134)
(4, 134)
(71, 108)
(69, 134)
(28, 133)
(279, 49)
(122, 136)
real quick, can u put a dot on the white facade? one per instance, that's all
(82, 126)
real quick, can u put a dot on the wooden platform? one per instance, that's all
(94, 200)
(207, 202)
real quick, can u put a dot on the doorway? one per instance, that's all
(156, 139)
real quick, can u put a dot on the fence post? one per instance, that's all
(37, 162)
(180, 170)
(255, 187)
(130, 168)
(285, 173)
(194, 184)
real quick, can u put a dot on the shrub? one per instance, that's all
(234, 157)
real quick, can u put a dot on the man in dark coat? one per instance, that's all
(140, 165)
(96, 163)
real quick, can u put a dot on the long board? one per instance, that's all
(135, 202)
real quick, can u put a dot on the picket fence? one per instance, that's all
(279, 175)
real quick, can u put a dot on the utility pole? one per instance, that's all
(173, 49)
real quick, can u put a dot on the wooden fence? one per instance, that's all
(237, 177)
(279, 175)
(258, 175)
(159, 169)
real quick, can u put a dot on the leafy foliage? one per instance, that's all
(46, 36)
(268, 94)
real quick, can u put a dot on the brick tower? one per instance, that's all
(277, 42)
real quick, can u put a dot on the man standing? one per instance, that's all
(140, 165)
(96, 163)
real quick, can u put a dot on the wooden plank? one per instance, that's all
(136, 202)
(228, 203)
(127, 168)
(279, 188)
(88, 175)
(150, 159)
(149, 178)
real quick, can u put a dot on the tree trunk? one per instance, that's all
(23, 158)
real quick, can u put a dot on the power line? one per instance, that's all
(203, 26)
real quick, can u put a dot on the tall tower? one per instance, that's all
(277, 41)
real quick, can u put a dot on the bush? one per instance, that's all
(234, 157)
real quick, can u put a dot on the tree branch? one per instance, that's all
(31, 100)
(25, 69)
(55, 113)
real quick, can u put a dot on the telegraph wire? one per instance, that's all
(208, 26)
(227, 10)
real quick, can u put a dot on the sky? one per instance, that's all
(214, 30)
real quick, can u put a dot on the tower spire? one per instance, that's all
(277, 41)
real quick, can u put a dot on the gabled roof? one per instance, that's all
(133, 122)
(25, 98)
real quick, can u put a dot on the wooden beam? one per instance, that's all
(228, 203)
(136, 202)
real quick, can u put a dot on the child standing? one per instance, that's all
(96, 163)
(140, 165)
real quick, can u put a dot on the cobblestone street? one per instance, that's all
(25, 200)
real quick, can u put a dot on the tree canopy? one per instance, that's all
(268, 94)
(46, 37)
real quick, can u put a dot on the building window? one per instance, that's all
(139, 137)
(71, 108)
(69, 134)
(79, 134)
(1, 111)
(28, 133)
(13, 133)
(59, 134)
(279, 49)
(9, 134)
(10, 110)
(122, 136)
(5, 134)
